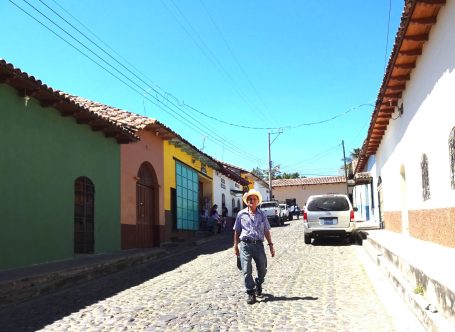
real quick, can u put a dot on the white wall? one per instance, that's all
(424, 127)
(301, 193)
(218, 191)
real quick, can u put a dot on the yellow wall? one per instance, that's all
(249, 179)
(171, 152)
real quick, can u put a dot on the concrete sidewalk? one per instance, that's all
(420, 271)
(21, 284)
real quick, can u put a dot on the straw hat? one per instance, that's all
(252, 192)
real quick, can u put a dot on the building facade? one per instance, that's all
(59, 174)
(302, 188)
(410, 147)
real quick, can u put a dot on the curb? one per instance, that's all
(19, 289)
(387, 262)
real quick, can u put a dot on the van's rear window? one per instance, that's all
(328, 204)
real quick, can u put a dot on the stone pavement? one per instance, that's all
(319, 287)
(21, 284)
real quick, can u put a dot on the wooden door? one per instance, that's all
(146, 208)
(84, 216)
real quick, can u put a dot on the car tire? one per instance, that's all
(307, 239)
(353, 238)
(277, 221)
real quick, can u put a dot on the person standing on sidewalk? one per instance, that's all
(250, 228)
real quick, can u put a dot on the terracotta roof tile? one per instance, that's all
(417, 20)
(28, 85)
(308, 181)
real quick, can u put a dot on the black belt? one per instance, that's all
(251, 241)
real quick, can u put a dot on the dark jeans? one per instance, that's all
(249, 252)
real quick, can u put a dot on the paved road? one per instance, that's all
(319, 287)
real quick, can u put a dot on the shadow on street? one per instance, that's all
(331, 241)
(271, 298)
(41, 311)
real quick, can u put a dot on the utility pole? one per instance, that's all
(345, 169)
(280, 131)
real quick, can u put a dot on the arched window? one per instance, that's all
(223, 199)
(84, 216)
(233, 207)
(425, 178)
(452, 157)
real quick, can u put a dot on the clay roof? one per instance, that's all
(136, 123)
(239, 170)
(417, 19)
(29, 86)
(132, 121)
(308, 181)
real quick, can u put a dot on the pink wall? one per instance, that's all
(150, 149)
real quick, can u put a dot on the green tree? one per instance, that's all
(258, 172)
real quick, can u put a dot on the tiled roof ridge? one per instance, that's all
(308, 181)
(129, 119)
(33, 86)
(370, 145)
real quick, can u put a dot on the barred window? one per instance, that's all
(452, 157)
(425, 178)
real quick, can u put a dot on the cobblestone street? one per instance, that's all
(320, 287)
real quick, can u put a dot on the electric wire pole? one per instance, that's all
(345, 169)
(280, 131)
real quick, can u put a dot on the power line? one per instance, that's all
(236, 59)
(207, 52)
(283, 127)
(387, 37)
(233, 148)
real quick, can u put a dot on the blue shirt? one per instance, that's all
(251, 227)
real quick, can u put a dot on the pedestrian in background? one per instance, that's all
(214, 219)
(250, 228)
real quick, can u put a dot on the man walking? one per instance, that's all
(250, 228)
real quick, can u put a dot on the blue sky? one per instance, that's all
(216, 71)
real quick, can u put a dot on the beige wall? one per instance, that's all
(301, 193)
(150, 149)
(435, 225)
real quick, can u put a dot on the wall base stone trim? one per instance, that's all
(392, 221)
(434, 225)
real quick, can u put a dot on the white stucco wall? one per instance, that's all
(301, 193)
(220, 188)
(263, 189)
(424, 127)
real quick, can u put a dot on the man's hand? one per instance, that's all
(236, 249)
(272, 250)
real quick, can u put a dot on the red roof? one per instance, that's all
(29, 86)
(308, 181)
(417, 19)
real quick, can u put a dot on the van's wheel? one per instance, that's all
(307, 239)
(278, 221)
(352, 238)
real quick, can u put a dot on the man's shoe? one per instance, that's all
(251, 299)
(258, 290)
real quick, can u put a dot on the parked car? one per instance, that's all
(284, 215)
(272, 211)
(329, 215)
